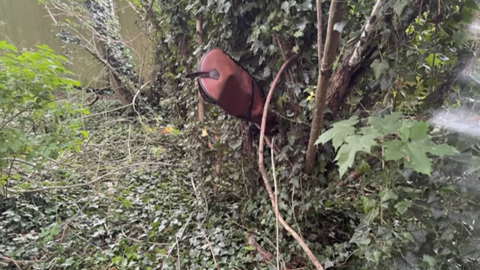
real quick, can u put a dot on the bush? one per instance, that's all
(32, 125)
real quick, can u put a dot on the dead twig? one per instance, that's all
(209, 246)
(261, 166)
(267, 256)
(7, 259)
(276, 204)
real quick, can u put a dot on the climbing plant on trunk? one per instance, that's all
(94, 26)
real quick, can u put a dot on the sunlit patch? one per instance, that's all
(474, 28)
(458, 120)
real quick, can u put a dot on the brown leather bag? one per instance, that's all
(223, 82)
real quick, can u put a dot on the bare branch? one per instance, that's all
(324, 74)
(261, 166)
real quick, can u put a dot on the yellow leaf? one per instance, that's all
(204, 132)
(167, 130)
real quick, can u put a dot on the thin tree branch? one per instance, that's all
(276, 203)
(261, 166)
(10, 260)
(324, 73)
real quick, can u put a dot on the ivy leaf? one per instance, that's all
(236, 144)
(305, 6)
(287, 5)
(409, 261)
(428, 261)
(339, 132)
(371, 216)
(399, 6)
(368, 204)
(298, 33)
(379, 67)
(403, 206)
(361, 237)
(301, 24)
(388, 194)
(68, 262)
(373, 256)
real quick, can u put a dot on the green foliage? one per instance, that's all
(411, 143)
(35, 126)
(391, 217)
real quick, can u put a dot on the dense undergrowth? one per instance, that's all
(107, 188)
(156, 214)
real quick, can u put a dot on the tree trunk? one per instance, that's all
(114, 51)
(358, 58)
(324, 74)
(201, 105)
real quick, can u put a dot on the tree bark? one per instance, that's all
(201, 105)
(324, 74)
(107, 33)
(358, 58)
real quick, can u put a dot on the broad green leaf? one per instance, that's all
(413, 130)
(84, 133)
(353, 144)
(440, 150)
(339, 132)
(394, 150)
(438, 58)
(386, 125)
(414, 146)
(5, 46)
